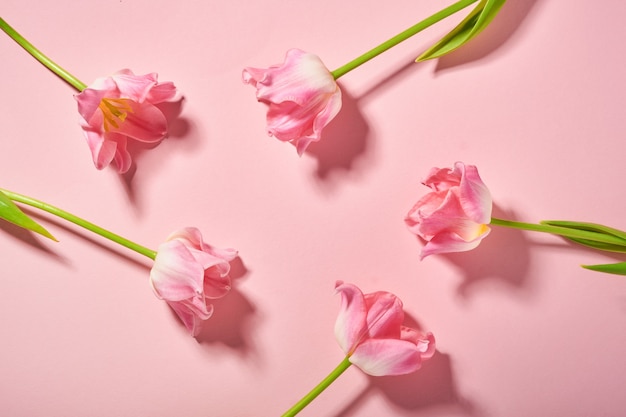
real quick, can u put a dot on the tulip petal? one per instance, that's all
(134, 87)
(89, 99)
(380, 357)
(474, 195)
(351, 320)
(144, 122)
(176, 275)
(449, 242)
(192, 321)
(425, 342)
(384, 315)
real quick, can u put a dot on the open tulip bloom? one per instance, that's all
(302, 95)
(370, 331)
(113, 109)
(187, 272)
(456, 214)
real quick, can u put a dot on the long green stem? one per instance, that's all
(80, 222)
(561, 231)
(51, 65)
(413, 30)
(345, 364)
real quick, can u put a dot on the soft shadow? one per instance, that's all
(496, 34)
(230, 323)
(392, 78)
(344, 140)
(503, 256)
(30, 238)
(431, 387)
(178, 128)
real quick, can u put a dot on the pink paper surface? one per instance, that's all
(536, 102)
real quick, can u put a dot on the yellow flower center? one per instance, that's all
(115, 111)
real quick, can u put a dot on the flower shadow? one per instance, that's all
(230, 323)
(496, 34)
(178, 128)
(430, 387)
(504, 255)
(344, 140)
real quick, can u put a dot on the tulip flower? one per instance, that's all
(370, 332)
(302, 96)
(187, 272)
(120, 107)
(113, 109)
(453, 217)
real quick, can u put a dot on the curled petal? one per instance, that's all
(442, 179)
(191, 318)
(380, 357)
(425, 342)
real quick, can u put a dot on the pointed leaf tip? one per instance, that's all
(12, 213)
(472, 25)
(616, 268)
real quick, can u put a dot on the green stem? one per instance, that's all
(80, 222)
(51, 65)
(345, 364)
(561, 231)
(413, 30)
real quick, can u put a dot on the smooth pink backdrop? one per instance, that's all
(537, 102)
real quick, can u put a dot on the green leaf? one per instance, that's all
(12, 213)
(608, 247)
(601, 230)
(472, 25)
(592, 227)
(617, 269)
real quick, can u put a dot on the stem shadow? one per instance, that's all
(499, 32)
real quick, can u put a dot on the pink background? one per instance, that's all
(536, 102)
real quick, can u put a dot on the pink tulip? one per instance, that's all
(454, 216)
(302, 95)
(369, 330)
(119, 107)
(187, 272)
